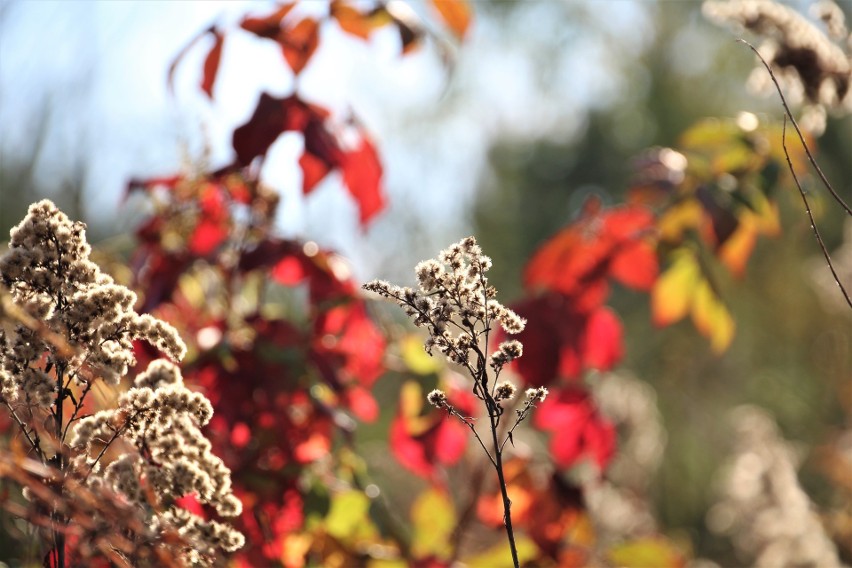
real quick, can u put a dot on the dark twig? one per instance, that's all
(811, 159)
(825, 182)
(811, 217)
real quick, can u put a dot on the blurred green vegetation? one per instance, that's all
(790, 355)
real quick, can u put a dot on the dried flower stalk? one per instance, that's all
(458, 308)
(78, 327)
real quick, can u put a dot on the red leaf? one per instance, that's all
(578, 260)
(603, 346)
(211, 64)
(299, 42)
(272, 117)
(190, 503)
(322, 153)
(346, 333)
(207, 236)
(561, 342)
(213, 225)
(314, 170)
(421, 443)
(267, 26)
(578, 430)
(362, 404)
(182, 53)
(362, 174)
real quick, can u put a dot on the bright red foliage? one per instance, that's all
(421, 443)
(579, 260)
(560, 342)
(578, 430)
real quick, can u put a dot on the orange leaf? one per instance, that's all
(299, 43)
(358, 23)
(456, 14)
(211, 64)
(267, 26)
(603, 243)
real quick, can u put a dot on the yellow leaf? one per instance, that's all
(712, 318)
(433, 519)
(671, 296)
(642, 553)
(500, 555)
(411, 401)
(416, 358)
(688, 214)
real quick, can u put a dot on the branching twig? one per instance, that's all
(825, 182)
(811, 217)
(811, 159)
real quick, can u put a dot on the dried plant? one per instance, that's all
(770, 519)
(813, 66)
(458, 308)
(76, 327)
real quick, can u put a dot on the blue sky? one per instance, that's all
(100, 70)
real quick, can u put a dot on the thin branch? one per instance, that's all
(811, 217)
(469, 423)
(77, 407)
(811, 159)
(33, 443)
(522, 415)
(825, 182)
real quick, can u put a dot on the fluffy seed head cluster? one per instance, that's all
(437, 398)
(76, 326)
(48, 273)
(159, 421)
(504, 391)
(812, 66)
(537, 394)
(455, 304)
(770, 519)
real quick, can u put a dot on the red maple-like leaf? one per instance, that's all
(272, 117)
(602, 244)
(562, 343)
(578, 430)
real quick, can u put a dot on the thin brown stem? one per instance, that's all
(825, 182)
(34, 443)
(59, 535)
(811, 216)
(504, 492)
(811, 159)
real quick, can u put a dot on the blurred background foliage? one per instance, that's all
(792, 353)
